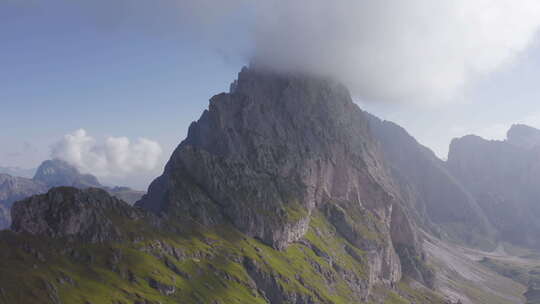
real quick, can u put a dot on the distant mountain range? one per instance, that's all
(51, 173)
(504, 179)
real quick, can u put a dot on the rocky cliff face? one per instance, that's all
(275, 149)
(503, 177)
(438, 202)
(523, 136)
(13, 189)
(90, 215)
(5, 217)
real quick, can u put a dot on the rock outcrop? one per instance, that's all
(5, 217)
(274, 150)
(13, 189)
(89, 215)
(523, 136)
(503, 177)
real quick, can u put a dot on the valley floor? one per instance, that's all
(505, 275)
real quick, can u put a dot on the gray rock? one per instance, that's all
(436, 200)
(13, 189)
(71, 213)
(164, 289)
(503, 177)
(523, 136)
(274, 149)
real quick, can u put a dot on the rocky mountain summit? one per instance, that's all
(52, 173)
(274, 150)
(56, 173)
(89, 215)
(523, 136)
(503, 177)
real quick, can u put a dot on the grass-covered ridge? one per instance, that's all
(190, 265)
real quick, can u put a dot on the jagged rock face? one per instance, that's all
(437, 200)
(523, 136)
(503, 176)
(55, 173)
(5, 217)
(268, 153)
(13, 189)
(67, 212)
(16, 188)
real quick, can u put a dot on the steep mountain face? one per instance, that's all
(13, 189)
(52, 173)
(523, 136)
(5, 217)
(65, 212)
(503, 176)
(277, 149)
(437, 200)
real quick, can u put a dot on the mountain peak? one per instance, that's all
(83, 214)
(275, 151)
(56, 172)
(524, 136)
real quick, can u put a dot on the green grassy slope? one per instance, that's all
(220, 265)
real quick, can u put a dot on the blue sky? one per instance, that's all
(64, 68)
(148, 70)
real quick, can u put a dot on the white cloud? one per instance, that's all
(115, 157)
(415, 50)
(396, 50)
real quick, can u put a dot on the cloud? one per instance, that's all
(114, 157)
(395, 50)
(415, 50)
